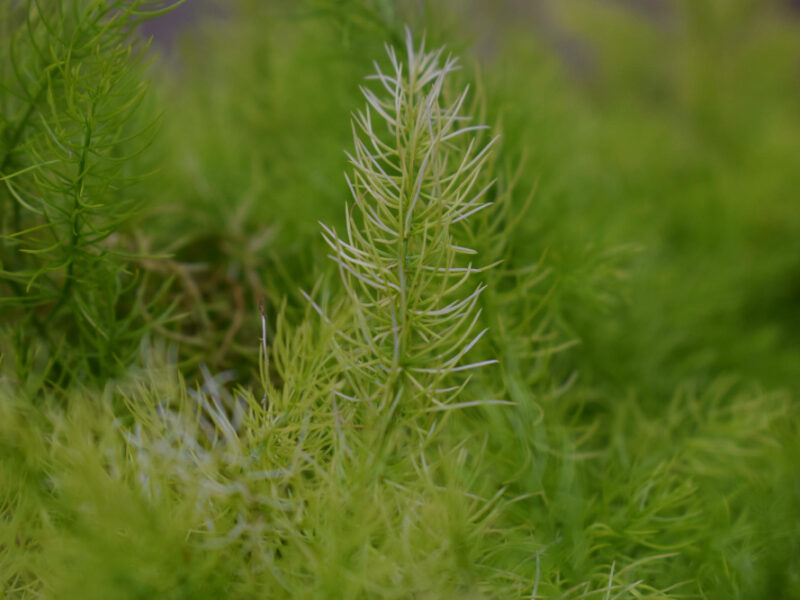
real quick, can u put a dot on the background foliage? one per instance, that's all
(646, 315)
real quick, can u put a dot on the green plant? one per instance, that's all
(400, 420)
(72, 125)
(417, 178)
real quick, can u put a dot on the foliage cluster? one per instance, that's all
(555, 357)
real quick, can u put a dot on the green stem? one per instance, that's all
(75, 223)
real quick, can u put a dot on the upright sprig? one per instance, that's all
(72, 88)
(417, 178)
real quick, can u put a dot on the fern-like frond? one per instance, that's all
(72, 127)
(417, 177)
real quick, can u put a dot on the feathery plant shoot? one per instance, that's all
(72, 127)
(417, 178)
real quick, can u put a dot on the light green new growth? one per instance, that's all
(416, 180)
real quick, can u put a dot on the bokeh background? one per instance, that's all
(662, 138)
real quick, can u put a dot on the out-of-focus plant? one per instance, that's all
(72, 125)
